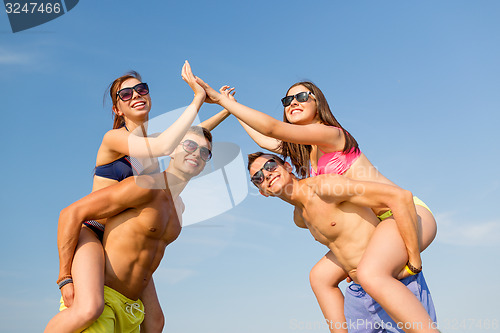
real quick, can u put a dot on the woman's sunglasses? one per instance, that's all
(300, 97)
(269, 166)
(191, 146)
(126, 94)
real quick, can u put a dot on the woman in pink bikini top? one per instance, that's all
(317, 144)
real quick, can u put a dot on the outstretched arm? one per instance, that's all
(263, 141)
(215, 120)
(328, 137)
(377, 195)
(165, 143)
(100, 204)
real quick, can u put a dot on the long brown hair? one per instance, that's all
(113, 89)
(300, 154)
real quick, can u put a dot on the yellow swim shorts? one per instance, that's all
(120, 314)
(416, 200)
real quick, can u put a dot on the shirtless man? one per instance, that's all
(337, 212)
(143, 216)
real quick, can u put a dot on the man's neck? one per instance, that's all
(294, 192)
(176, 183)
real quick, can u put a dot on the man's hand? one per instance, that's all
(68, 294)
(415, 262)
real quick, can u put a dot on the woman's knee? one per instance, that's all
(369, 277)
(91, 309)
(319, 278)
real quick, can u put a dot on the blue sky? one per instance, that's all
(416, 83)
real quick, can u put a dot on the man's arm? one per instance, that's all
(214, 121)
(377, 195)
(101, 204)
(298, 219)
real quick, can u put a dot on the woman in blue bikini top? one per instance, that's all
(131, 107)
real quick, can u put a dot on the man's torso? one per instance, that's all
(135, 240)
(343, 227)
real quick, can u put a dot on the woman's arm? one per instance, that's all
(314, 134)
(215, 120)
(263, 141)
(165, 143)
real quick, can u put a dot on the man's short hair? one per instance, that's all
(254, 156)
(201, 131)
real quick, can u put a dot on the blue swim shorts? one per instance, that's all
(364, 315)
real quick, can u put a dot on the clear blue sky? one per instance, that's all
(416, 83)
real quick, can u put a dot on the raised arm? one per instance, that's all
(98, 205)
(328, 137)
(263, 141)
(165, 143)
(377, 195)
(215, 120)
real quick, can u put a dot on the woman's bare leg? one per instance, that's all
(324, 278)
(381, 264)
(88, 279)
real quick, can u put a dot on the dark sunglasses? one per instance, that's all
(191, 146)
(126, 94)
(300, 97)
(269, 166)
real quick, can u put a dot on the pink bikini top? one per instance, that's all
(336, 162)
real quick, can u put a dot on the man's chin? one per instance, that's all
(192, 172)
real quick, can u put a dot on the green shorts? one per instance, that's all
(120, 314)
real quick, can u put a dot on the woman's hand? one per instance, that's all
(212, 96)
(228, 92)
(68, 294)
(188, 76)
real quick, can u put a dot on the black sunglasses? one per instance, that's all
(269, 166)
(126, 94)
(191, 146)
(300, 97)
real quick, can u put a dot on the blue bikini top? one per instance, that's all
(118, 169)
(122, 168)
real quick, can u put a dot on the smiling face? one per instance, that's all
(301, 113)
(274, 181)
(136, 108)
(189, 164)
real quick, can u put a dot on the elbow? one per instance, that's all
(167, 151)
(401, 198)
(271, 131)
(70, 215)
(407, 197)
(263, 145)
(66, 215)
